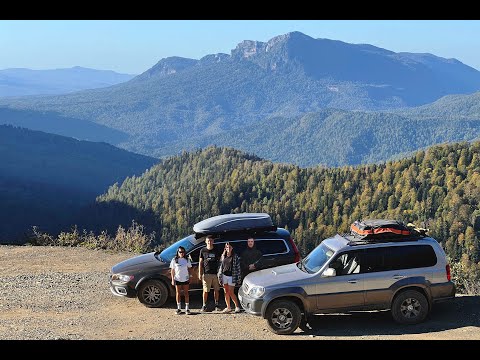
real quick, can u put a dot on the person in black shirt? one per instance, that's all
(251, 258)
(207, 272)
(229, 275)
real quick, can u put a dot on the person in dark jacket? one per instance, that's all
(251, 258)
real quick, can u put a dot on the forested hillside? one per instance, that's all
(46, 178)
(339, 137)
(438, 188)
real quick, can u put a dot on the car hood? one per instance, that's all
(276, 275)
(136, 262)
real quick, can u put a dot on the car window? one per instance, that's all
(195, 255)
(398, 257)
(347, 263)
(373, 260)
(409, 257)
(271, 247)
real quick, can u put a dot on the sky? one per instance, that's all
(133, 46)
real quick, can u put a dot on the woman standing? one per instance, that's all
(180, 270)
(229, 275)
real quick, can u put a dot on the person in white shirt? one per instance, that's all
(180, 270)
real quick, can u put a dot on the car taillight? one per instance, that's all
(447, 269)
(295, 250)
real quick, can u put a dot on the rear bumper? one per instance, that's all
(443, 291)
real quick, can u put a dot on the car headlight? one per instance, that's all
(257, 291)
(122, 278)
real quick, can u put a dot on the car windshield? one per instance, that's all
(168, 254)
(316, 259)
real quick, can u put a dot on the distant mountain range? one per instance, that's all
(291, 99)
(46, 178)
(20, 82)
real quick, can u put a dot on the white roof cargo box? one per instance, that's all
(235, 222)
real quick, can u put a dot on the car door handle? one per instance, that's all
(398, 277)
(353, 281)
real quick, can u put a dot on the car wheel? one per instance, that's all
(153, 293)
(410, 307)
(283, 317)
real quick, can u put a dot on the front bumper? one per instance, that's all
(250, 305)
(122, 290)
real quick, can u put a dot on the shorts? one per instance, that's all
(227, 280)
(182, 282)
(209, 280)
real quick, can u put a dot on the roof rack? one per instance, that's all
(358, 241)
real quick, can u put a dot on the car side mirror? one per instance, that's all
(329, 272)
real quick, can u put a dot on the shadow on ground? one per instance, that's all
(461, 312)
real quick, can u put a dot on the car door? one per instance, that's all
(195, 282)
(346, 288)
(387, 265)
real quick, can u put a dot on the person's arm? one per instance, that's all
(172, 273)
(200, 266)
(189, 268)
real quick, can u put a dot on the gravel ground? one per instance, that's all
(63, 293)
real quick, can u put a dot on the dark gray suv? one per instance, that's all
(407, 276)
(148, 276)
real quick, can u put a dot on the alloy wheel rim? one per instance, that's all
(151, 294)
(282, 318)
(410, 308)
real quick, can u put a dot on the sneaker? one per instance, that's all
(237, 310)
(178, 312)
(204, 308)
(187, 312)
(227, 310)
(217, 308)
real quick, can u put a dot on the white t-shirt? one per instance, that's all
(181, 269)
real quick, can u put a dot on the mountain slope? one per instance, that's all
(289, 75)
(336, 137)
(21, 82)
(439, 186)
(45, 178)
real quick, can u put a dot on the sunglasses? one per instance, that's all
(181, 252)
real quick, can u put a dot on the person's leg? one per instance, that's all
(234, 297)
(186, 293)
(206, 289)
(178, 291)
(216, 290)
(186, 287)
(227, 296)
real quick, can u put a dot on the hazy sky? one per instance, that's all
(134, 46)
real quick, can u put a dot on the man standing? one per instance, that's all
(207, 272)
(251, 258)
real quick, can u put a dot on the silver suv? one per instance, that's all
(343, 274)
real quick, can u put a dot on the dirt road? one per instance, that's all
(62, 293)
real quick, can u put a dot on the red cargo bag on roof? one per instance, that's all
(379, 229)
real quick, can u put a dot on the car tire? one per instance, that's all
(283, 317)
(410, 307)
(153, 293)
